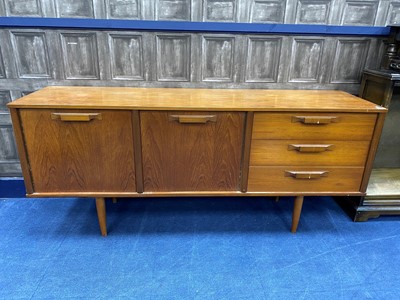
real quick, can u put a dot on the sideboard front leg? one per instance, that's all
(298, 204)
(101, 215)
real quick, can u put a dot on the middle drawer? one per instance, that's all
(308, 153)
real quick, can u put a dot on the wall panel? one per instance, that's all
(306, 60)
(174, 10)
(173, 57)
(393, 16)
(80, 55)
(262, 59)
(31, 54)
(9, 163)
(313, 12)
(5, 97)
(360, 13)
(267, 11)
(124, 9)
(349, 61)
(218, 58)
(220, 10)
(31, 8)
(75, 9)
(126, 57)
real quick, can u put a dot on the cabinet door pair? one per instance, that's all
(93, 151)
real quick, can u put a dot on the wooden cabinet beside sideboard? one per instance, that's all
(137, 142)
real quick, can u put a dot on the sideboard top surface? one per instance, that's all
(194, 99)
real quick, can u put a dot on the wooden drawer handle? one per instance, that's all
(310, 148)
(306, 174)
(192, 119)
(75, 117)
(315, 120)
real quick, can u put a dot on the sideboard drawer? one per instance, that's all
(79, 150)
(328, 126)
(308, 153)
(305, 179)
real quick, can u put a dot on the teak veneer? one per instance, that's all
(145, 142)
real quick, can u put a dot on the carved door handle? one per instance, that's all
(315, 120)
(193, 119)
(310, 148)
(75, 117)
(306, 174)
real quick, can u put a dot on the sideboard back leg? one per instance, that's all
(298, 204)
(101, 215)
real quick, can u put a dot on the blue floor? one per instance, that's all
(194, 248)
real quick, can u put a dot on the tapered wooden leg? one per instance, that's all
(101, 215)
(298, 204)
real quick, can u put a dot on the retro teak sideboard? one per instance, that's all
(142, 142)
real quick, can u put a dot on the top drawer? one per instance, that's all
(335, 126)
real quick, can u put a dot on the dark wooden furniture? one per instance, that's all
(383, 192)
(137, 142)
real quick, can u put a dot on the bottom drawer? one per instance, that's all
(300, 179)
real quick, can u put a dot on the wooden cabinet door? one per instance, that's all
(192, 151)
(79, 151)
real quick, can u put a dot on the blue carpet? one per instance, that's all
(194, 248)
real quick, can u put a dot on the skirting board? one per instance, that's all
(12, 187)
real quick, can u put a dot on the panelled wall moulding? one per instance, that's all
(359, 13)
(220, 10)
(29, 8)
(31, 54)
(174, 10)
(218, 58)
(41, 57)
(75, 8)
(127, 58)
(125, 9)
(5, 97)
(267, 11)
(313, 12)
(80, 55)
(9, 163)
(393, 16)
(305, 63)
(267, 51)
(349, 60)
(173, 57)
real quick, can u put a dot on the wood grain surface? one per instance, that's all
(274, 179)
(78, 156)
(348, 126)
(195, 99)
(278, 153)
(191, 157)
